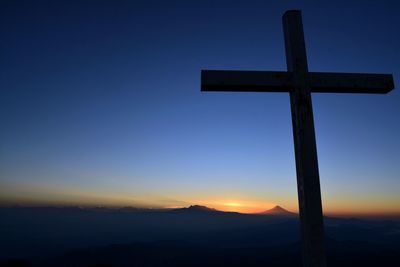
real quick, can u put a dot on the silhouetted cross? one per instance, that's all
(299, 82)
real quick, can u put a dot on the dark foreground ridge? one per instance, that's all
(192, 236)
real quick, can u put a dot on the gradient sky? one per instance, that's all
(100, 104)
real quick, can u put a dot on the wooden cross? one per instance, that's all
(299, 82)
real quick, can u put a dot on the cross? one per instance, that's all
(300, 83)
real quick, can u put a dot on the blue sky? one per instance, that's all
(100, 102)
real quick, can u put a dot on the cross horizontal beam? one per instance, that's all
(246, 81)
(282, 81)
(327, 82)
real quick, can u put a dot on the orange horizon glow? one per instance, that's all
(245, 207)
(231, 202)
(241, 206)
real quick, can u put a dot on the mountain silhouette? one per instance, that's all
(278, 210)
(197, 208)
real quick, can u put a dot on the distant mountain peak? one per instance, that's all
(198, 208)
(277, 210)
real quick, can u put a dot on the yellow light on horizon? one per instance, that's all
(242, 206)
(233, 204)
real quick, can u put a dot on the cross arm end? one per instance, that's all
(321, 82)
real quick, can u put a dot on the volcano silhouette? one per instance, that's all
(278, 210)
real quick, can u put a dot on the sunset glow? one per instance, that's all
(244, 206)
(233, 204)
(49, 196)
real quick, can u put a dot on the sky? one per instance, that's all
(100, 104)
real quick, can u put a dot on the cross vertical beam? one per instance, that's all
(308, 186)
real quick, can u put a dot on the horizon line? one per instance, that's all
(346, 214)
